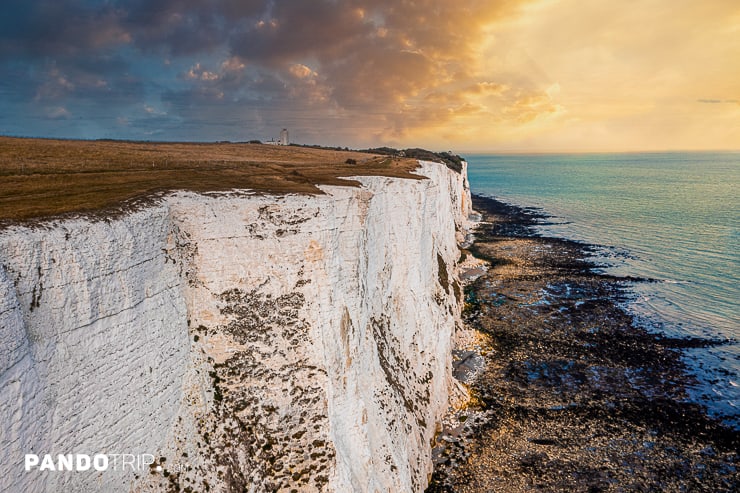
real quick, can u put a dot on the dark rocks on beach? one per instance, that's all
(575, 396)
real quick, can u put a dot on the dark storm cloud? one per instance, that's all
(50, 28)
(293, 30)
(392, 63)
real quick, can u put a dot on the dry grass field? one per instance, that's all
(44, 177)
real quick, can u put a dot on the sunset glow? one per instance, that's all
(511, 75)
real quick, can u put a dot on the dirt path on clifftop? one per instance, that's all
(573, 397)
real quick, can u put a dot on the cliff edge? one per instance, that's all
(244, 342)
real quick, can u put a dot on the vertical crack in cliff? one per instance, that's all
(409, 389)
(444, 278)
(181, 247)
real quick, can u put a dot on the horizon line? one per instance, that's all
(460, 152)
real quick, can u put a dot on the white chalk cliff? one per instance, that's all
(248, 342)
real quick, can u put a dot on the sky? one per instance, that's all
(462, 75)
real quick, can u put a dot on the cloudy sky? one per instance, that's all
(467, 75)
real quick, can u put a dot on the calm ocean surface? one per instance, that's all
(674, 217)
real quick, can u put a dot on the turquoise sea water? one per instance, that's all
(673, 217)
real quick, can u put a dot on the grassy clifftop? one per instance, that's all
(44, 177)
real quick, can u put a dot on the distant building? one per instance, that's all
(284, 139)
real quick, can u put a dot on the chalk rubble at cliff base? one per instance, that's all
(246, 342)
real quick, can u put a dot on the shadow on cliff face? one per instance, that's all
(574, 396)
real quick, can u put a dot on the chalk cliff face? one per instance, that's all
(246, 342)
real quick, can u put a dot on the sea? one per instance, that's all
(671, 217)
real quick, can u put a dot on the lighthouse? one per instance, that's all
(284, 137)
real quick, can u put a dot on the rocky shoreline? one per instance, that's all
(568, 393)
